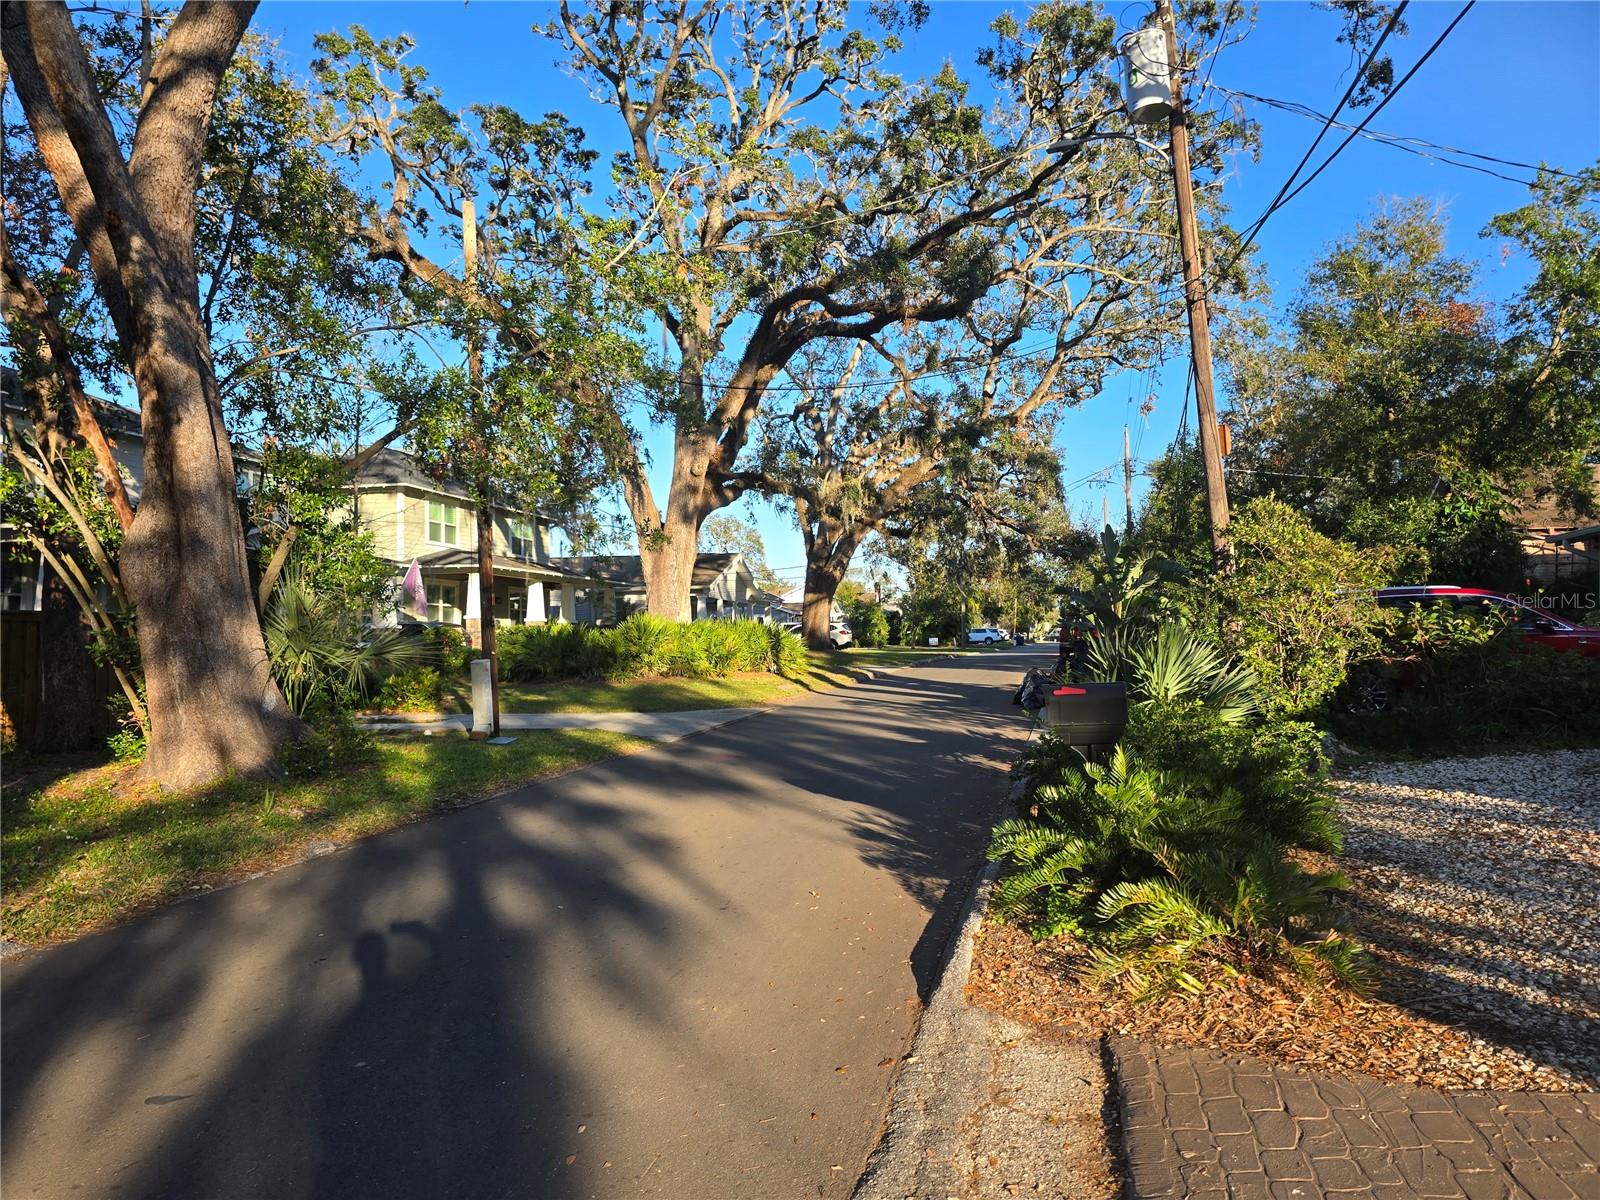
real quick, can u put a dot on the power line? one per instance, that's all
(1412, 145)
(1378, 108)
(1355, 82)
(1284, 195)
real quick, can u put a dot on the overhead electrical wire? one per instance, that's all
(1279, 199)
(1378, 108)
(1411, 145)
(1355, 82)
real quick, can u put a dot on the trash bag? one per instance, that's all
(1033, 693)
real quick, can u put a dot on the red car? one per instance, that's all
(1536, 626)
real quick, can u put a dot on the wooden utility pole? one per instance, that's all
(1127, 483)
(483, 518)
(1195, 296)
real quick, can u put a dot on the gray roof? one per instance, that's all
(467, 560)
(625, 571)
(391, 466)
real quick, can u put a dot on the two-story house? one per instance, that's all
(414, 517)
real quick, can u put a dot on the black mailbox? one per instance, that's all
(1087, 714)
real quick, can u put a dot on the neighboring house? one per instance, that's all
(413, 516)
(1561, 550)
(795, 601)
(721, 588)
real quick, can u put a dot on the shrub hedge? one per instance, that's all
(645, 645)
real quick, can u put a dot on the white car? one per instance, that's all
(839, 635)
(987, 635)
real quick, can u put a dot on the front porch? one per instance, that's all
(526, 593)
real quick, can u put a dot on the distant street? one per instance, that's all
(685, 973)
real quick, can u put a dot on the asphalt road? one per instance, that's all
(672, 974)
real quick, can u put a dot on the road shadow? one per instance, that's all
(416, 1015)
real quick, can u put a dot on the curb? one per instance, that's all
(907, 1137)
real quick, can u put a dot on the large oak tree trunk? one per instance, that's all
(668, 544)
(829, 549)
(213, 706)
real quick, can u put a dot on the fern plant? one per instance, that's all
(1169, 885)
(1232, 912)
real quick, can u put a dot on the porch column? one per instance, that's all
(469, 610)
(534, 613)
(569, 602)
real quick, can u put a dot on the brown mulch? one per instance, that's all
(1046, 983)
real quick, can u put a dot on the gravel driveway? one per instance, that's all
(1477, 882)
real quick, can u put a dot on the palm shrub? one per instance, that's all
(559, 651)
(642, 642)
(719, 646)
(1169, 662)
(322, 654)
(786, 653)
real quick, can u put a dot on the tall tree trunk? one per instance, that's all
(213, 706)
(829, 550)
(667, 547)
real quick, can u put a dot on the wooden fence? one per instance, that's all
(22, 679)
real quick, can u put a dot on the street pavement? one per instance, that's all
(688, 972)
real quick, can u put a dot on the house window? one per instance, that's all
(521, 530)
(441, 523)
(442, 607)
(20, 572)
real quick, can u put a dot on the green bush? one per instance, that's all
(420, 689)
(645, 645)
(332, 739)
(1298, 606)
(785, 652)
(1171, 863)
(556, 651)
(450, 647)
(1273, 774)
(1468, 694)
(1462, 536)
(869, 626)
(642, 642)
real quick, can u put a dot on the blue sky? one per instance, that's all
(1516, 80)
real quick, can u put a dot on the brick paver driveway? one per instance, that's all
(1200, 1124)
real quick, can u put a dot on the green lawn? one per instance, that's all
(85, 846)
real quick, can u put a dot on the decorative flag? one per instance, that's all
(412, 591)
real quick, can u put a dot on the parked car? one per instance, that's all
(839, 635)
(1544, 628)
(987, 635)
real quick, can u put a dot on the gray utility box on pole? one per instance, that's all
(1089, 716)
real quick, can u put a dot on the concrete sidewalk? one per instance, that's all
(657, 726)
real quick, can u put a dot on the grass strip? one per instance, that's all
(90, 847)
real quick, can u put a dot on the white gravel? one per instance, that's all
(1478, 887)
